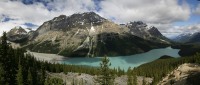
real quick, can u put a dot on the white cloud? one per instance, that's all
(151, 11)
(161, 13)
(173, 31)
(37, 13)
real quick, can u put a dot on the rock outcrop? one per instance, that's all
(185, 74)
(140, 29)
(17, 35)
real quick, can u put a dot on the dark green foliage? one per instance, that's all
(53, 81)
(159, 68)
(106, 76)
(113, 44)
(68, 52)
(193, 79)
(143, 82)
(30, 78)
(6, 59)
(165, 57)
(2, 73)
(20, 80)
(44, 47)
(30, 71)
(132, 79)
(187, 49)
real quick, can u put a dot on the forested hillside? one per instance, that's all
(160, 68)
(20, 68)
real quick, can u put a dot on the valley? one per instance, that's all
(87, 49)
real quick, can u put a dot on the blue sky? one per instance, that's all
(194, 18)
(171, 17)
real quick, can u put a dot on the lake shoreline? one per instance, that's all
(52, 58)
(124, 62)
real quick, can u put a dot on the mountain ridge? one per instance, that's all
(88, 34)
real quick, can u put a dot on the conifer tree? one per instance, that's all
(2, 73)
(143, 81)
(30, 78)
(43, 75)
(6, 60)
(20, 80)
(4, 44)
(134, 80)
(106, 77)
(130, 77)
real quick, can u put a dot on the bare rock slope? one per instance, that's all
(185, 74)
(88, 34)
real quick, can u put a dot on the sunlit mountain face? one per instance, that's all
(172, 18)
(99, 42)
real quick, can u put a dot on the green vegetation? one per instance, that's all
(113, 44)
(132, 79)
(187, 49)
(44, 47)
(53, 81)
(106, 77)
(161, 67)
(20, 80)
(20, 68)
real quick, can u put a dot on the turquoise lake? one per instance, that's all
(124, 62)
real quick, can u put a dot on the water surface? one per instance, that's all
(124, 62)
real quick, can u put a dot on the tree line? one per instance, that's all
(17, 67)
(159, 68)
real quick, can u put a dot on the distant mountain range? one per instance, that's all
(189, 43)
(17, 34)
(88, 34)
(188, 38)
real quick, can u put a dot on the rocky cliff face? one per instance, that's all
(188, 38)
(17, 35)
(195, 38)
(185, 74)
(183, 38)
(66, 23)
(142, 30)
(87, 34)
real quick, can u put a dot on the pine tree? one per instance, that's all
(3, 50)
(106, 77)
(134, 80)
(2, 73)
(143, 81)
(30, 78)
(130, 77)
(43, 75)
(6, 60)
(20, 80)
(4, 44)
(73, 82)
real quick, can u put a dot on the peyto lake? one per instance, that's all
(124, 62)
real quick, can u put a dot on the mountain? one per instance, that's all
(88, 34)
(140, 29)
(195, 38)
(183, 38)
(17, 35)
(188, 38)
